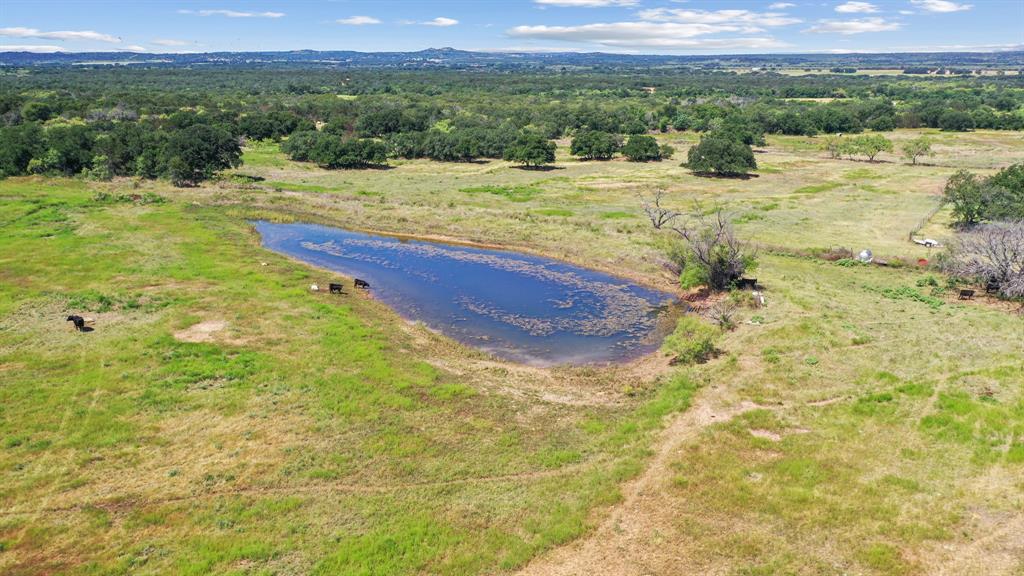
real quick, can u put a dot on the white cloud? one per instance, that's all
(749, 20)
(666, 35)
(848, 27)
(133, 48)
(906, 12)
(18, 32)
(39, 49)
(964, 48)
(169, 42)
(358, 20)
(233, 13)
(587, 3)
(671, 29)
(441, 21)
(941, 5)
(781, 6)
(857, 8)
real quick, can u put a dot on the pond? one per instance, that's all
(520, 307)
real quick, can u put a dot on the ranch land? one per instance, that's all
(221, 418)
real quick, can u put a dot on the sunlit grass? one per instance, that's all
(318, 434)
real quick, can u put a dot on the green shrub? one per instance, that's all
(692, 342)
(104, 197)
(692, 277)
(908, 293)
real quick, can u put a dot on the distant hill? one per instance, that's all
(452, 58)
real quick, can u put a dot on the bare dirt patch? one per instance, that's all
(766, 434)
(205, 331)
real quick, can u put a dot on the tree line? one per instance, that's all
(185, 125)
(185, 148)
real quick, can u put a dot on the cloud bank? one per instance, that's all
(941, 5)
(19, 32)
(849, 27)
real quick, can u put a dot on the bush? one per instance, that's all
(849, 263)
(104, 197)
(692, 342)
(692, 277)
(100, 169)
(724, 313)
(716, 257)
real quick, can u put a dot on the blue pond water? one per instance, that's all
(520, 307)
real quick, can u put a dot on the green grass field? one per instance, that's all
(223, 420)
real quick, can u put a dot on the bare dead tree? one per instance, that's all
(658, 215)
(991, 253)
(715, 248)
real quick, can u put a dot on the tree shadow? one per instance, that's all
(875, 161)
(720, 176)
(540, 168)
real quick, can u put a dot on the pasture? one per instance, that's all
(222, 419)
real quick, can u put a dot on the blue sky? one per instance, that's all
(630, 26)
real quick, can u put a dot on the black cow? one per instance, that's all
(335, 288)
(966, 295)
(362, 283)
(78, 321)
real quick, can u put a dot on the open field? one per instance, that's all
(799, 198)
(223, 420)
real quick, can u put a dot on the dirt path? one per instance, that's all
(999, 551)
(629, 541)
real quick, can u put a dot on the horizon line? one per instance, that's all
(540, 51)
